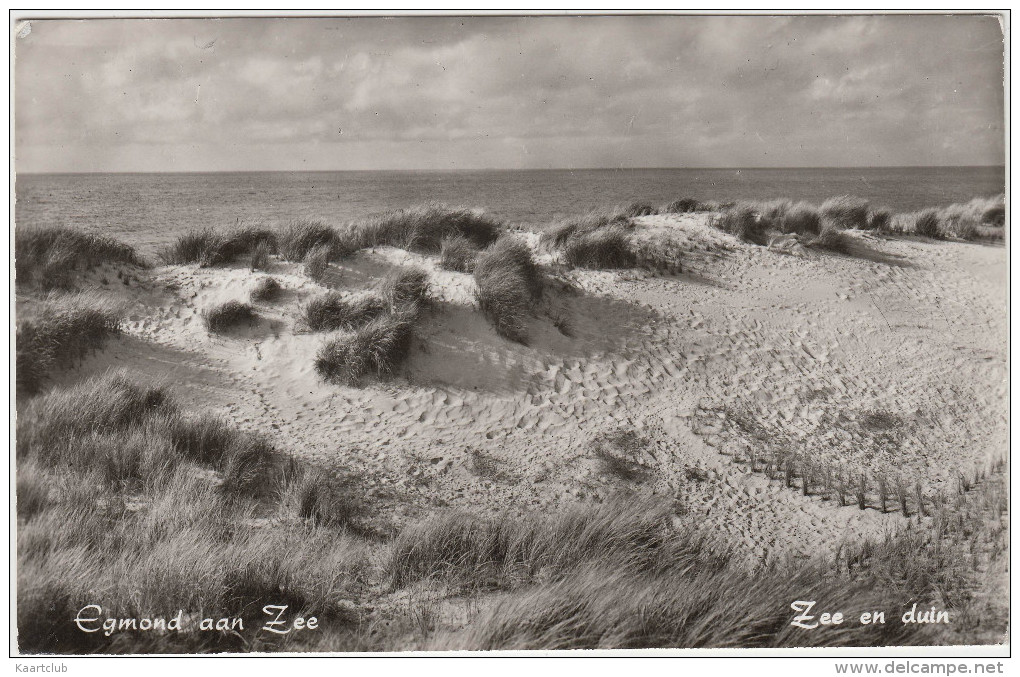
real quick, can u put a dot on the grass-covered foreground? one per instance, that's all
(127, 501)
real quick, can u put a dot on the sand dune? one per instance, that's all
(892, 359)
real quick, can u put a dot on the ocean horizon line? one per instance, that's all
(507, 170)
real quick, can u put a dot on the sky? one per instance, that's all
(507, 93)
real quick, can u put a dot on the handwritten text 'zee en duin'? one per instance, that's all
(805, 619)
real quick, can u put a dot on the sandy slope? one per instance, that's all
(809, 347)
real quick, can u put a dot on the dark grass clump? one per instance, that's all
(326, 499)
(227, 316)
(118, 436)
(237, 243)
(296, 239)
(609, 247)
(202, 439)
(189, 247)
(846, 211)
(378, 347)
(423, 229)
(509, 283)
(833, 239)
(247, 463)
(458, 254)
(208, 247)
(317, 262)
(928, 224)
(684, 205)
(49, 257)
(266, 289)
(558, 235)
(744, 222)
(636, 209)
(333, 310)
(260, 256)
(994, 216)
(406, 288)
(602, 240)
(802, 219)
(511, 252)
(880, 220)
(65, 330)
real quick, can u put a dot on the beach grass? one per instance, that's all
(608, 247)
(50, 257)
(623, 576)
(406, 287)
(376, 348)
(928, 223)
(260, 256)
(880, 220)
(635, 209)
(980, 219)
(457, 253)
(64, 330)
(229, 315)
(561, 233)
(744, 223)
(801, 218)
(209, 247)
(832, 238)
(508, 284)
(846, 211)
(333, 310)
(299, 237)
(423, 228)
(130, 522)
(266, 289)
(685, 205)
(506, 551)
(317, 261)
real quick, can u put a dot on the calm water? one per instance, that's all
(147, 209)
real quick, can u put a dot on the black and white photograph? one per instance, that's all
(519, 334)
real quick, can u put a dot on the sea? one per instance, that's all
(147, 210)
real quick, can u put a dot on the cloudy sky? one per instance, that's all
(520, 92)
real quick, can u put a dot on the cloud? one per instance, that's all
(509, 92)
